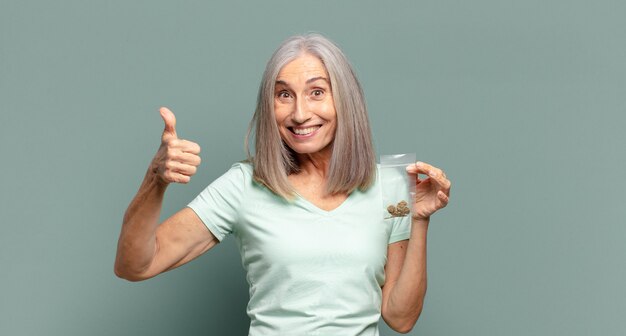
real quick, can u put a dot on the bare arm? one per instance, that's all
(405, 284)
(405, 280)
(145, 247)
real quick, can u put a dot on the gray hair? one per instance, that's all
(353, 163)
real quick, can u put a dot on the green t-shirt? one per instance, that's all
(310, 271)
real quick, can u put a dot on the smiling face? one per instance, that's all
(303, 106)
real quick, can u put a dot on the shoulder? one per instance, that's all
(244, 167)
(238, 171)
(234, 179)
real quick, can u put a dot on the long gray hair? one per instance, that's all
(352, 164)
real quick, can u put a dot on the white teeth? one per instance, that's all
(305, 131)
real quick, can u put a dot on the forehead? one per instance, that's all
(303, 67)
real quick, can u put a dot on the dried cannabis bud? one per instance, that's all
(398, 210)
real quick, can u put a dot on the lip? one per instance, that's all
(304, 136)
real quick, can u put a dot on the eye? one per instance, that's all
(283, 94)
(317, 93)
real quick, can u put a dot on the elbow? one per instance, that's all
(120, 273)
(402, 327)
(129, 269)
(129, 276)
(124, 273)
(402, 324)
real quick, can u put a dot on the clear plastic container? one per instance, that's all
(398, 186)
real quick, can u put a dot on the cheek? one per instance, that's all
(331, 113)
(282, 108)
(279, 113)
(333, 121)
(329, 109)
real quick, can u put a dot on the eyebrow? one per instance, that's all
(308, 81)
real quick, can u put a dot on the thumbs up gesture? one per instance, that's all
(177, 159)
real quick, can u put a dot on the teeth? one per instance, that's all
(305, 131)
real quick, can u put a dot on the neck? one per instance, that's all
(316, 164)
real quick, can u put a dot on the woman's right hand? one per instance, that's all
(177, 159)
(147, 248)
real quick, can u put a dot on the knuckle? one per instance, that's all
(170, 143)
(175, 156)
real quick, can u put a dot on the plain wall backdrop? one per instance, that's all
(520, 102)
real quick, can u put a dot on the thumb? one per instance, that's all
(170, 124)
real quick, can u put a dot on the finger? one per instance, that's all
(443, 199)
(439, 177)
(433, 172)
(181, 168)
(175, 177)
(189, 147)
(187, 158)
(422, 168)
(418, 168)
(187, 170)
(169, 132)
(184, 146)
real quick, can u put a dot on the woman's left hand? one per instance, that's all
(431, 193)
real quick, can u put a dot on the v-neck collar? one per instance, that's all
(314, 208)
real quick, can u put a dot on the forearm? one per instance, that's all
(406, 297)
(137, 242)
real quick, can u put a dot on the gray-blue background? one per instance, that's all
(521, 102)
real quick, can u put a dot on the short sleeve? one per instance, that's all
(400, 229)
(394, 189)
(219, 203)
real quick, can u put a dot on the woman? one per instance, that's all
(305, 209)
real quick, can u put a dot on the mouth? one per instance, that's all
(304, 131)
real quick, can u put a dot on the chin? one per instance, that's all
(311, 149)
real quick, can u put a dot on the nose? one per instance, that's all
(301, 112)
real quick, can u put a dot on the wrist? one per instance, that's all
(153, 178)
(420, 221)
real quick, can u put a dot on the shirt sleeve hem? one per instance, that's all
(214, 229)
(399, 236)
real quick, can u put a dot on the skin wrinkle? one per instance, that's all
(309, 102)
